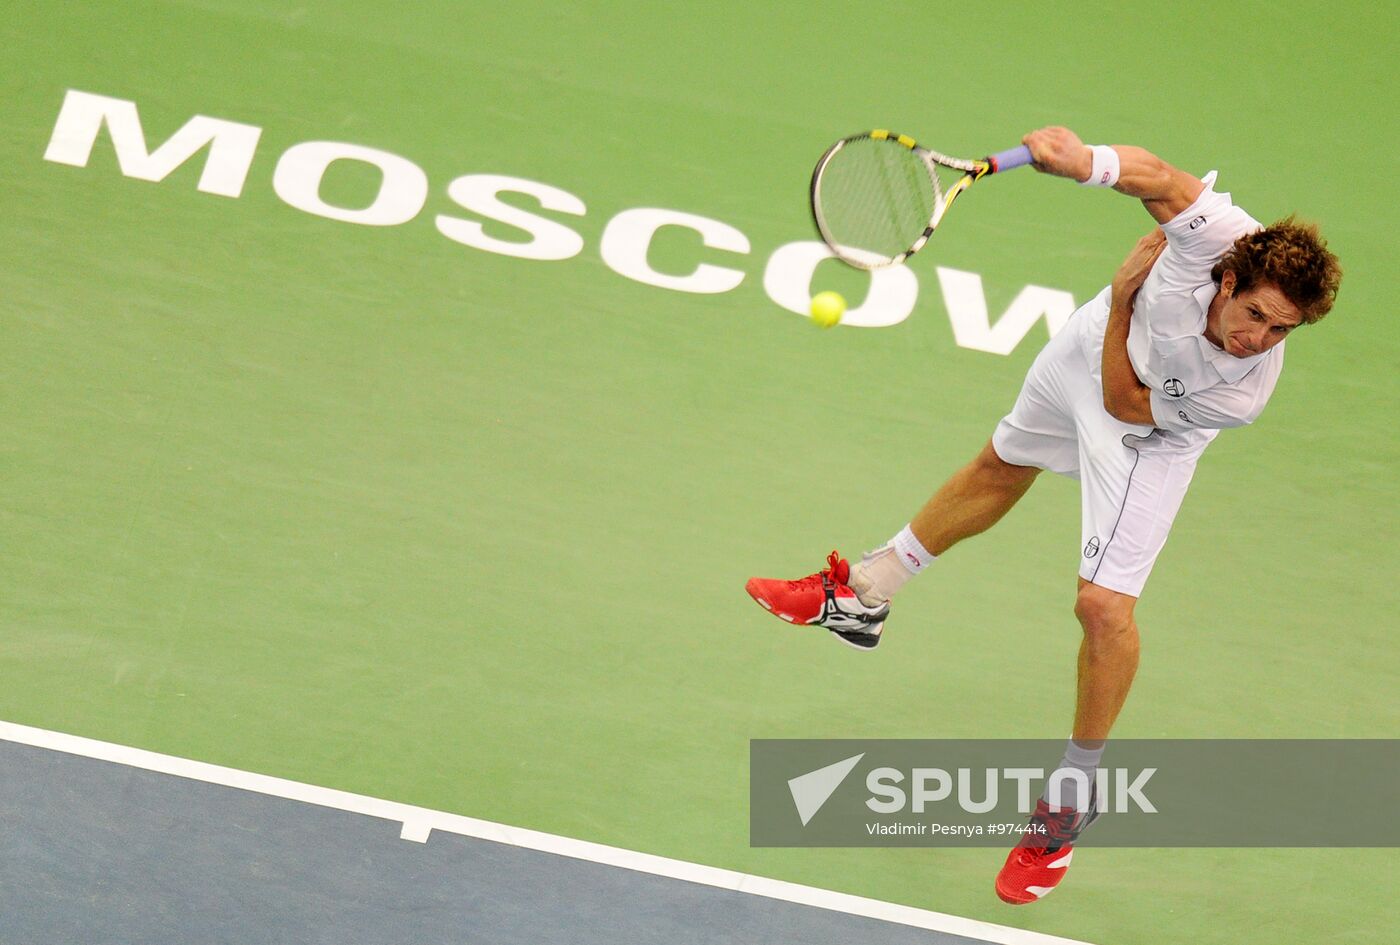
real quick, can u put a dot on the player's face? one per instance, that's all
(1252, 322)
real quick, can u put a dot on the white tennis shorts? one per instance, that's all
(1132, 477)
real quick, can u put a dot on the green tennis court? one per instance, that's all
(375, 508)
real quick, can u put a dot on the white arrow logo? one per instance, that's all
(811, 790)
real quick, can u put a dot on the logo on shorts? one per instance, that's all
(1182, 415)
(1174, 387)
(1197, 223)
(1092, 548)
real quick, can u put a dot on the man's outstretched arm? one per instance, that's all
(1164, 190)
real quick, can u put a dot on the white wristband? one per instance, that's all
(1105, 171)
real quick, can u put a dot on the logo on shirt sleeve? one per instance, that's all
(1173, 387)
(1197, 223)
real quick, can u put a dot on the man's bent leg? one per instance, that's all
(853, 600)
(972, 500)
(1039, 433)
(1108, 660)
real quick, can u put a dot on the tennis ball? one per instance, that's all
(827, 308)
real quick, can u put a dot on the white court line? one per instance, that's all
(419, 822)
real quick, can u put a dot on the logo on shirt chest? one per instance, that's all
(1173, 387)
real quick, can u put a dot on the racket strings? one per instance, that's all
(876, 199)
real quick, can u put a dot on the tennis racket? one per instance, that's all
(877, 197)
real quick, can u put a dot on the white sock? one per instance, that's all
(1064, 791)
(879, 573)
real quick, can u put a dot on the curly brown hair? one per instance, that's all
(1292, 256)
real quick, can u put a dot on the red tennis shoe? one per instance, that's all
(1042, 858)
(823, 599)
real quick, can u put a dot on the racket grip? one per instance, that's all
(1006, 160)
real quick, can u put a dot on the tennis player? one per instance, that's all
(1186, 341)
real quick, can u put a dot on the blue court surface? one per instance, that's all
(108, 844)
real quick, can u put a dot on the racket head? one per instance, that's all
(877, 197)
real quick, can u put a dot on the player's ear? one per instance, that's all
(1227, 283)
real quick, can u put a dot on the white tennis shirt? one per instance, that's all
(1196, 388)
